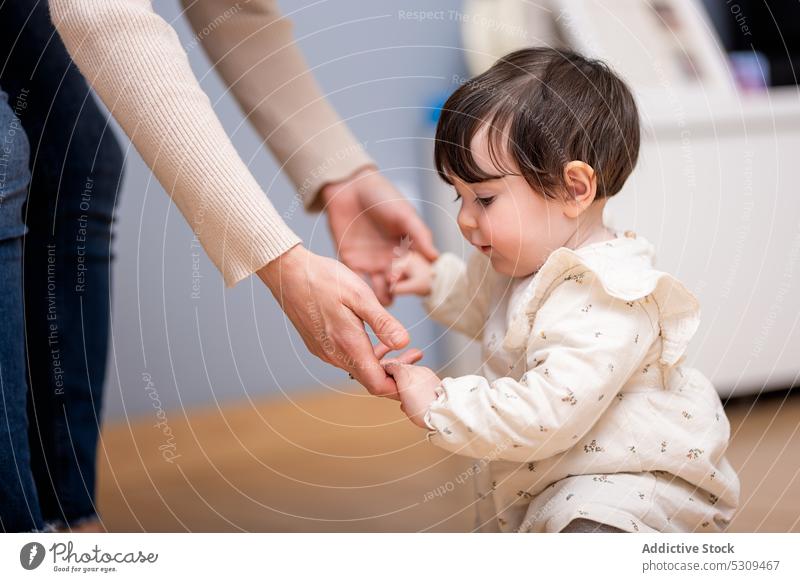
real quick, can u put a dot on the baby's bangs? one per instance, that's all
(458, 125)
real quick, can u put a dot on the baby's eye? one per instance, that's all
(485, 201)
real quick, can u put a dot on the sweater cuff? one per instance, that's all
(242, 235)
(326, 161)
(263, 250)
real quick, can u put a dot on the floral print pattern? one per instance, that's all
(599, 409)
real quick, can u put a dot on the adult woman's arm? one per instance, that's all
(252, 47)
(137, 66)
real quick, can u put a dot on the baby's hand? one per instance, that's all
(417, 388)
(411, 274)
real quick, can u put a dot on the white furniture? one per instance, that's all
(716, 192)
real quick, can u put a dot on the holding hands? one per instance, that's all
(328, 303)
(412, 273)
(374, 227)
(417, 386)
(370, 222)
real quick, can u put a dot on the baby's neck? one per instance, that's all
(590, 228)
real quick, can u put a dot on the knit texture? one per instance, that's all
(137, 66)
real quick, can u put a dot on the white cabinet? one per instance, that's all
(716, 192)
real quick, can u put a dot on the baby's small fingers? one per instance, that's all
(391, 366)
(409, 287)
(399, 264)
(400, 268)
(397, 370)
(393, 281)
(411, 356)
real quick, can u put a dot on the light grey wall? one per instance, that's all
(381, 69)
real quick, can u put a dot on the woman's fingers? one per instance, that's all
(421, 237)
(410, 287)
(328, 304)
(381, 350)
(381, 288)
(389, 331)
(364, 366)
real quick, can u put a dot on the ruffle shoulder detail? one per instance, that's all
(623, 268)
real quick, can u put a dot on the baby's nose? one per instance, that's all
(466, 221)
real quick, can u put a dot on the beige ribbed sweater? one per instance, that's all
(136, 64)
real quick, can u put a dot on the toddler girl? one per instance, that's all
(584, 414)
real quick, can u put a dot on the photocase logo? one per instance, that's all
(31, 555)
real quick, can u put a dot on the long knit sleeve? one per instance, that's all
(584, 345)
(460, 293)
(135, 62)
(252, 47)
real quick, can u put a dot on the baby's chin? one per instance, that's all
(513, 269)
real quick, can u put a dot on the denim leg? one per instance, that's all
(76, 171)
(67, 295)
(19, 505)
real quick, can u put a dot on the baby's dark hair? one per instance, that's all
(543, 108)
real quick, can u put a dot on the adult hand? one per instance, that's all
(328, 304)
(372, 223)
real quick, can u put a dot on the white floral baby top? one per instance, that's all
(584, 408)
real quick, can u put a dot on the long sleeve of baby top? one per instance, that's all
(460, 293)
(583, 375)
(582, 348)
(138, 67)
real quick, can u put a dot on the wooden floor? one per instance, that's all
(343, 461)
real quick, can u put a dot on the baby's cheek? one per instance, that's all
(514, 242)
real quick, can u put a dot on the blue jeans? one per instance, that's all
(55, 259)
(19, 504)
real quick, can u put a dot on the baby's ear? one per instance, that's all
(581, 182)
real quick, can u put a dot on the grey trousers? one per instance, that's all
(589, 526)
